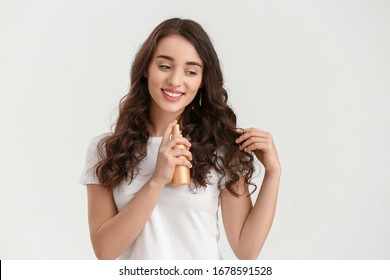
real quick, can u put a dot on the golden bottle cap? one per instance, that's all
(176, 130)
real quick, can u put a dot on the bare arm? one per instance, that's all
(112, 232)
(247, 226)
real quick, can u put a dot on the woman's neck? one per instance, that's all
(159, 123)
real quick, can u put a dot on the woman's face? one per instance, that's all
(174, 75)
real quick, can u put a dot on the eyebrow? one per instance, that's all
(187, 63)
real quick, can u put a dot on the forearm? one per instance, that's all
(117, 234)
(259, 221)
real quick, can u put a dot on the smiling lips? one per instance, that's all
(172, 94)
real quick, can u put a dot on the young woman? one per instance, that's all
(133, 210)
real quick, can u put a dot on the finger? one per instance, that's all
(253, 140)
(266, 143)
(265, 146)
(181, 161)
(182, 153)
(257, 146)
(252, 147)
(240, 130)
(253, 129)
(253, 132)
(179, 141)
(168, 132)
(245, 134)
(243, 130)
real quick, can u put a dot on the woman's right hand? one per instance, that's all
(168, 158)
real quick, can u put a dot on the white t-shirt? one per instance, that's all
(184, 223)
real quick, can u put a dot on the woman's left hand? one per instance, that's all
(262, 145)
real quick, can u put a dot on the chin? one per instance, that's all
(171, 109)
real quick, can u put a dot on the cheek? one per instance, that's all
(153, 80)
(196, 85)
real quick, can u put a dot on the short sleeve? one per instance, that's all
(88, 175)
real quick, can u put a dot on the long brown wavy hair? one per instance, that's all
(208, 122)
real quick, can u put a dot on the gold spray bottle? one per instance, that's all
(181, 176)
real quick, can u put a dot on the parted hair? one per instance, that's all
(208, 122)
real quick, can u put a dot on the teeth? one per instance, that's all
(172, 94)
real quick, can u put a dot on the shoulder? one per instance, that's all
(93, 143)
(92, 158)
(96, 139)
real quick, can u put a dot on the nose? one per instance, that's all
(175, 79)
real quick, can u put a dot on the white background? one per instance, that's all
(314, 73)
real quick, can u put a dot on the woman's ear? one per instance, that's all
(146, 74)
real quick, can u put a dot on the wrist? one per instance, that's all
(155, 184)
(276, 171)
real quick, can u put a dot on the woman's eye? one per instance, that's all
(164, 67)
(192, 73)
